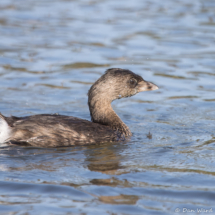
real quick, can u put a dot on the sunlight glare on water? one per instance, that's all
(50, 54)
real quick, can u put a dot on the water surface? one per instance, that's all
(50, 54)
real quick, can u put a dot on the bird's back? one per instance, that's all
(57, 130)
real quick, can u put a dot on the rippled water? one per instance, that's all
(50, 54)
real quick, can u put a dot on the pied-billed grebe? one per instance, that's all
(47, 130)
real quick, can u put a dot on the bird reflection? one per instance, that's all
(120, 199)
(108, 159)
(105, 159)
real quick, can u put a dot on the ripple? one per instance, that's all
(80, 65)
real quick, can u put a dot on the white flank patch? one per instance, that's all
(4, 131)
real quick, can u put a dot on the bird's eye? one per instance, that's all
(133, 82)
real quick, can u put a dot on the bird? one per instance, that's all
(55, 130)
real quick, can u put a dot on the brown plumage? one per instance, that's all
(51, 130)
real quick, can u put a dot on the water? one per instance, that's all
(50, 54)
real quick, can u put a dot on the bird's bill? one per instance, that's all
(146, 86)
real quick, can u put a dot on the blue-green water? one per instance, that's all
(50, 54)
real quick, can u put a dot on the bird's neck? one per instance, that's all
(101, 112)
